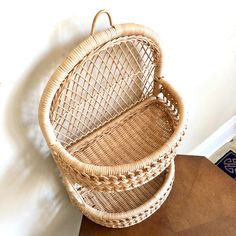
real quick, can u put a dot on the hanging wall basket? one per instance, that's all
(110, 119)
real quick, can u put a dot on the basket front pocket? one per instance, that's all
(128, 138)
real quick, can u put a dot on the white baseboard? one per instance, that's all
(221, 136)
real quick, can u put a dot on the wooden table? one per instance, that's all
(202, 202)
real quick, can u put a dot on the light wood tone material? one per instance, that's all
(96, 17)
(202, 202)
(123, 209)
(96, 102)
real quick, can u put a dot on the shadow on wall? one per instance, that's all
(32, 187)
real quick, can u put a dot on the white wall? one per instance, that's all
(199, 42)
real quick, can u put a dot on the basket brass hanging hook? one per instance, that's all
(96, 17)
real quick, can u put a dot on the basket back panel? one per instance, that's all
(107, 82)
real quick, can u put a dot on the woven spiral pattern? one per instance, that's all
(115, 209)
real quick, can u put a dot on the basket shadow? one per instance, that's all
(31, 181)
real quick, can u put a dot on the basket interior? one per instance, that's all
(116, 202)
(106, 83)
(136, 135)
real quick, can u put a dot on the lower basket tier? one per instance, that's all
(122, 209)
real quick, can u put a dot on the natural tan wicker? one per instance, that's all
(110, 119)
(123, 209)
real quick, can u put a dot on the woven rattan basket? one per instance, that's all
(110, 119)
(123, 209)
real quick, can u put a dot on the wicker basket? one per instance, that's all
(123, 209)
(110, 119)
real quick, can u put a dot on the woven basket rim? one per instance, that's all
(87, 46)
(169, 176)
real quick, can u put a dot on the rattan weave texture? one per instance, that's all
(111, 74)
(113, 124)
(123, 209)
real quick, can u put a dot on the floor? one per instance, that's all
(225, 158)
